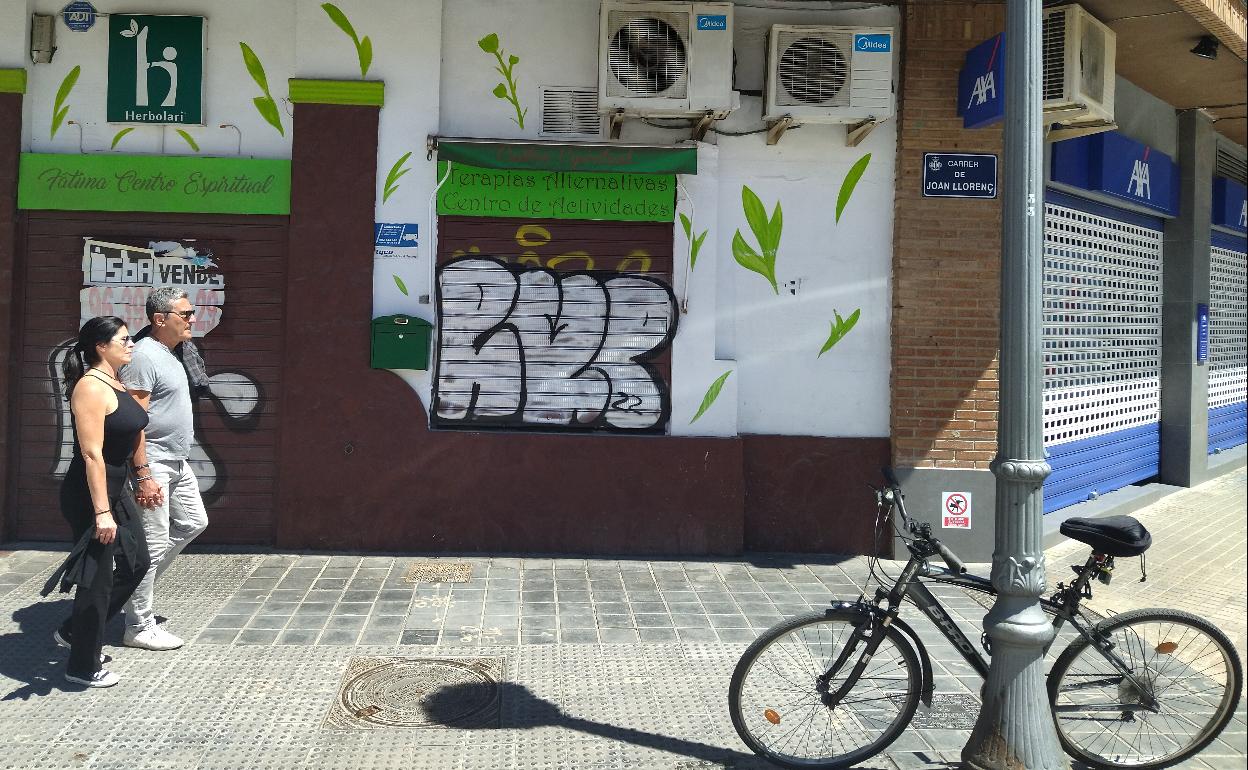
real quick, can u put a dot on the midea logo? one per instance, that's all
(713, 23)
(873, 43)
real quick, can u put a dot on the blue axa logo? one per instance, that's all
(873, 43)
(712, 22)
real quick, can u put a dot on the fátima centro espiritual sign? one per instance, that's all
(107, 182)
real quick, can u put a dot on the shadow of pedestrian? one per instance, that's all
(520, 709)
(31, 656)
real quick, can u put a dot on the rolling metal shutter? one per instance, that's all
(235, 454)
(1228, 348)
(1102, 349)
(553, 324)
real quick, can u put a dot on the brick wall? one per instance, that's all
(946, 254)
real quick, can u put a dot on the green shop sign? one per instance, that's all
(494, 192)
(153, 183)
(155, 69)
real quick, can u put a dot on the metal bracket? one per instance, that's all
(1070, 132)
(777, 129)
(703, 125)
(856, 132)
(616, 121)
(431, 146)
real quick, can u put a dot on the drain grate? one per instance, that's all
(948, 712)
(418, 692)
(439, 572)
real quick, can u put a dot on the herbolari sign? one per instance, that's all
(155, 69)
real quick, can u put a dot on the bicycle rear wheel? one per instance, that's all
(1183, 661)
(779, 712)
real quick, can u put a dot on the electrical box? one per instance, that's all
(400, 342)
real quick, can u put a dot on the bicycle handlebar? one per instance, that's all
(955, 564)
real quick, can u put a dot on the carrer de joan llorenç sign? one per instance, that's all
(505, 192)
(153, 183)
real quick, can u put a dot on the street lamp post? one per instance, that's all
(1015, 728)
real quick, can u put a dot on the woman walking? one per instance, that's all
(108, 432)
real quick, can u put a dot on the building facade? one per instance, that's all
(560, 277)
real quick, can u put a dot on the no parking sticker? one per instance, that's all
(955, 510)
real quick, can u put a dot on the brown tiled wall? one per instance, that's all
(946, 255)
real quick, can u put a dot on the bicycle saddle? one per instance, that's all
(1111, 535)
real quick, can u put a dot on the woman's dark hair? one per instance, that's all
(97, 331)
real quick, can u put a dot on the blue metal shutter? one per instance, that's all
(1228, 351)
(1102, 348)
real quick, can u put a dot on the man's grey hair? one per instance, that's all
(161, 300)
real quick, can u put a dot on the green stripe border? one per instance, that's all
(12, 81)
(363, 93)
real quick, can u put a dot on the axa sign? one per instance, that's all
(1118, 166)
(981, 84)
(1230, 204)
(155, 69)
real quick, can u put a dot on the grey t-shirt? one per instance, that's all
(171, 423)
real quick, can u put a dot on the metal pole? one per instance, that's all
(1015, 727)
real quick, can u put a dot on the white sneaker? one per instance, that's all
(62, 641)
(100, 678)
(151, 638)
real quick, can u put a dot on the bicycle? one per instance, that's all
(1145, 689)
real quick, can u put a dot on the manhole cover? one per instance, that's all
(439, 572)
(418, 692)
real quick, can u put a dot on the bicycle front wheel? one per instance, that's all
(777, 703)
(1177, 659)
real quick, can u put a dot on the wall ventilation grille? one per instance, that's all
(570, 111)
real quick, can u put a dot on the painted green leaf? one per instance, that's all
(268, 110)
(339, 18)
(394, 170)
(851, 181)
(687, 225)
(774, 226)
(489, 43)
(697, 246)
(67, 85)
(365, 51)
(120, 135)
(59, 118)
(755, 215)
(189, 139)
(840, 327)
(402, 287)
(745, 256)
(513, 60)
(59, 108)
(500, 91)
(712, 393)
(254, 67)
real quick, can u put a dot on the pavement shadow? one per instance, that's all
(520, 709)
(31, 656)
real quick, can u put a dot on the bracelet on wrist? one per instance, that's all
(138, 468)
(142, 478)
(106, 510)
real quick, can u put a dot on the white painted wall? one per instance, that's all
(438, 81)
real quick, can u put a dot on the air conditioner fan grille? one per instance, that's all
(648, 55)
(813, 69)
(1054, 46)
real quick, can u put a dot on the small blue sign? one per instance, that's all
(1230, 204)
(395, 234)
(876, 43)
(959, 175)
(79, 16)
(1202, 333)
(712, 23)
(1111, 163)
(981, 84)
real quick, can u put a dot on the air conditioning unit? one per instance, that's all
(821, 74)
(1078, 68)
(665, 58)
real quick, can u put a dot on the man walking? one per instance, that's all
(173, 511)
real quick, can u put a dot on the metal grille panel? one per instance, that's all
(814, 68)
(1054, 51)
(1228, 320)
(648, 54)
(570, 111)
(1102, 325)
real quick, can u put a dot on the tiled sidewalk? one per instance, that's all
(603, 664)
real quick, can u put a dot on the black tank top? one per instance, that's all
(121, 428)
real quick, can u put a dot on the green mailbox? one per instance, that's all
(400, 342)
